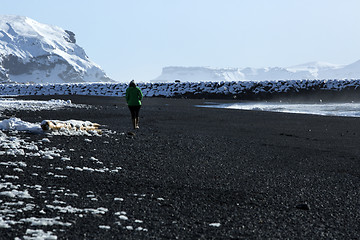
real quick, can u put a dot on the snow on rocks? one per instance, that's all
(15, 146)
(182, 88)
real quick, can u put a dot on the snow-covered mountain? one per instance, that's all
(310, 71)
(34, 52)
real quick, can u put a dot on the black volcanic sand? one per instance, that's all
(260, 175)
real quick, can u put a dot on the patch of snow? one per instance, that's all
(32, 105)
(38, 234)
(130, 228)
(11, 177)
(123, 217)
(44, 221)
(19, 125)
(16, 194)
(45, 140)
(214, 224)
(3, 223)
(104, 227)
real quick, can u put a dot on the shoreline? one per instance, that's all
(202, 173)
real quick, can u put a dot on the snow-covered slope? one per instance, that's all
(309, 71)
(34, 52)
(350, 71)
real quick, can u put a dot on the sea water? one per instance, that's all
(326, 109)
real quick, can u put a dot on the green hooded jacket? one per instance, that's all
(133, 96)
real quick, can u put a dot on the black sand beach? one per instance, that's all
(200, 173)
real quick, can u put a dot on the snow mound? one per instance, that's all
(16, 124)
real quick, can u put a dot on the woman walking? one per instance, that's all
(133, 99)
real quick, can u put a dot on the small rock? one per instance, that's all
(303, 206)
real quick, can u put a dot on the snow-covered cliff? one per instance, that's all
(193, 74)
(309, 71)
(34, 52)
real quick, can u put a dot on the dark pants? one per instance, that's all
(134, 110)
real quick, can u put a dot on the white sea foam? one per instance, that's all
(326, 109)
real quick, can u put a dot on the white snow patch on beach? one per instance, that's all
(19, 125)
(12, 104)
(38, 234)
(3, 223)
(16, 194)
(214, 224)
(44, 221)
(104, 227)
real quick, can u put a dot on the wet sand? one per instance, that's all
(200, 173)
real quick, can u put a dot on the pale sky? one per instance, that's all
(135, 39)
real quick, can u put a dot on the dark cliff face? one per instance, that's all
(16, 66)
(71, 37)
